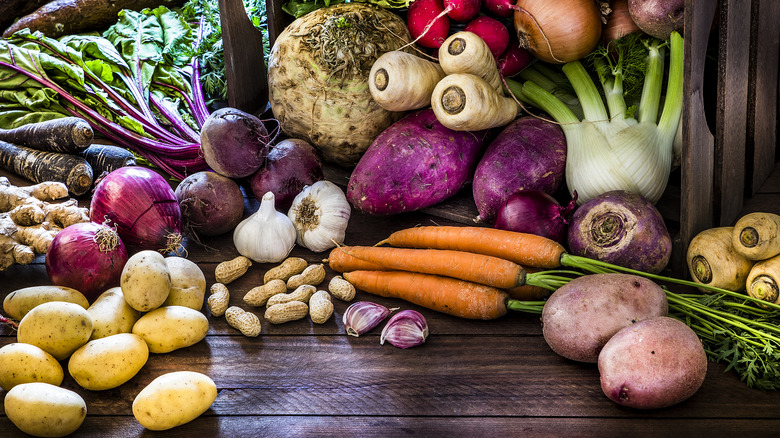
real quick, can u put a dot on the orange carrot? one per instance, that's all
(342, 261)
(443, 294)
(477, 268)
(521, 248)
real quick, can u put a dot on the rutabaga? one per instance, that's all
(609, 150)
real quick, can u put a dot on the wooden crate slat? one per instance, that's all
(762, 101)
(731, 121)
(697, 161)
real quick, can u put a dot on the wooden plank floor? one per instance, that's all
(472, 378)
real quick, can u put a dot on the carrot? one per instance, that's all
(401, 81)
(756, 235)
(521, 248)
(39, 166)
(466, 52)
(442, 294)
(66, 17)
(107, 158)
(342, 261)
(712, 260)
(763, 282)
(67, 134)
(466, 102)
(477, 268)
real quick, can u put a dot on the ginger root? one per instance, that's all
(29, 220)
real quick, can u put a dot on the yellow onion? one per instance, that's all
(558, 31)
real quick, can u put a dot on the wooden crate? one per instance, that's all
(730, 114)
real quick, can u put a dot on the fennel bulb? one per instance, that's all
(609, 149)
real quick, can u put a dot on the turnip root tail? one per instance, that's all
(466, 52)
(400, 81)
(466, 102)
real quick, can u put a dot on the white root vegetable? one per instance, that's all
(466, 102)
(400, 81)
(713, 261)
(466, 52)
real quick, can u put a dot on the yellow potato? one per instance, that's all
(145, 280)
(174, 399)
(26, 363)
(111, 314)
(43, 409)
(188, 284)
(19, 302)
(172, 327)
(108, 362)
(57, 327)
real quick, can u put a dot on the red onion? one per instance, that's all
(88, 257)
(535, 212)
(143, 207)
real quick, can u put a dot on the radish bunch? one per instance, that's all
(430, 23)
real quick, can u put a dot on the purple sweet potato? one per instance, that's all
(529, 153)
(413, 164)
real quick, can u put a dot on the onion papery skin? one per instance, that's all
(535, 212)
(571, 28)
(88, 257)
(619, 22)
(142, 206)
(621, 228)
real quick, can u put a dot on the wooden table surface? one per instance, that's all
(471, 378)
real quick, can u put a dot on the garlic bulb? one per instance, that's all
(320, 214)
(267, 236)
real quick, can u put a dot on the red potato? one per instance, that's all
(580, 317)
(653, 364)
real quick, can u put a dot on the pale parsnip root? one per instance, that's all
(401, 81)
(466, 102)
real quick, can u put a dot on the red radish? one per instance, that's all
(462, 10)
(500, 8)
(494, 32)
(513, 60)
(428, 23)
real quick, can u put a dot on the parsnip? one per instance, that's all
(757, 235)
(465, 52)
(401, 81)
(712, 260)
(466, 102)
(764, 280)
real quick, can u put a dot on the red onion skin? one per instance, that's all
(535, 212)
(75, 260)
(142, 206)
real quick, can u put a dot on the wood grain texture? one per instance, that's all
(471, 378)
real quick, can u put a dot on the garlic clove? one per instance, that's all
(362, 316)
(405, 329)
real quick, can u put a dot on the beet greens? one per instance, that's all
(137, 85)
